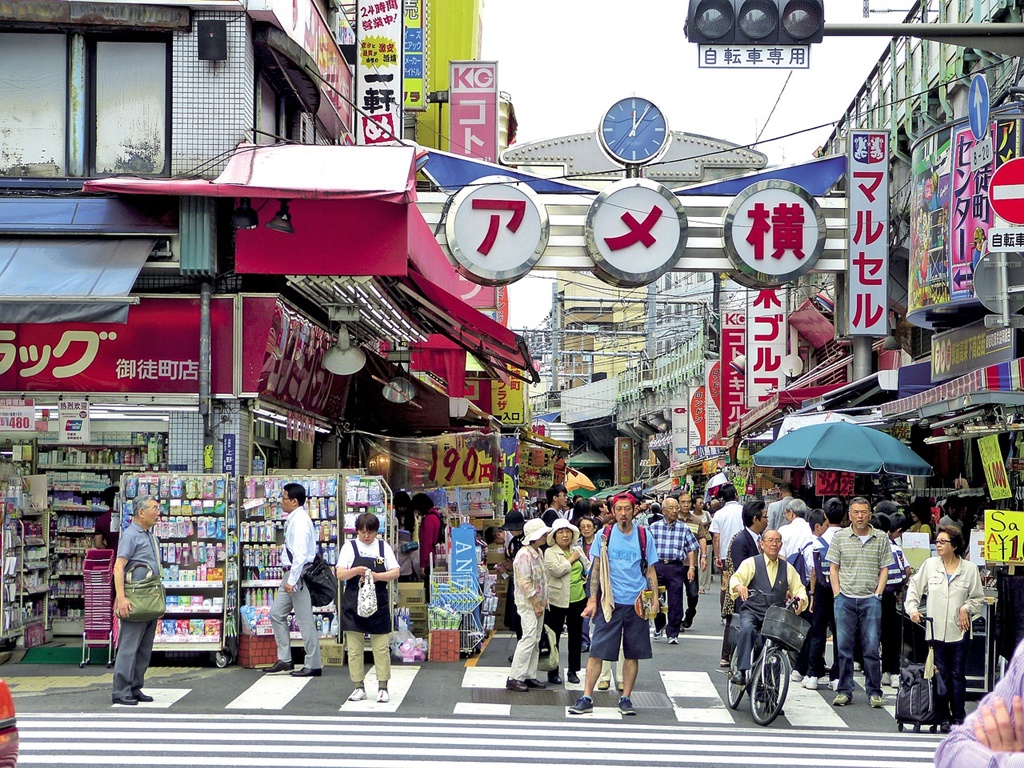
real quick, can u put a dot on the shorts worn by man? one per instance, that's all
(859, 558)
(137, 554)
(618, 576)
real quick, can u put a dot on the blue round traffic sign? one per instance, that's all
(977, 106)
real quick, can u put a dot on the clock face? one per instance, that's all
(633, 131)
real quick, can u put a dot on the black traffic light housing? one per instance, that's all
(755, 22)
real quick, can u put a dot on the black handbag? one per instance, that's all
(321, 582)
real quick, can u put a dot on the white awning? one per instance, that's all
(69, 279)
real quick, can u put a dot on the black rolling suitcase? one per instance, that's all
(916, 702)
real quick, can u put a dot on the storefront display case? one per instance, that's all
(198, 535)
(24, 598)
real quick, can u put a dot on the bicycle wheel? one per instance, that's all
(770, 685)
(735, 691)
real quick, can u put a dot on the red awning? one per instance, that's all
(292, 171)
(443, 313)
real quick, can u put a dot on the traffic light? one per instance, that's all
(755, 22)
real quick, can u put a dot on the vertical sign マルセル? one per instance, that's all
(868, 269)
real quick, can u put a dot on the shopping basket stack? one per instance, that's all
(98, 572)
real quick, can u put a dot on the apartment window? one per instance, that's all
(131, 115)
(33, 90)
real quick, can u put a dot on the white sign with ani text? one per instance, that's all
(868, 274)
(73, 422)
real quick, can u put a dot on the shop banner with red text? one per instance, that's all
(734, 361)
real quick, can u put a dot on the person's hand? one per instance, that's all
(719, 564)
(691, 572)
(574, 555)
(994, 730)
(743, 592)
(538, 609)
(810, 604)
(655, 603)
(122, 607)
(288, 588)
(915, 616)
(591, 610)
(964, 620)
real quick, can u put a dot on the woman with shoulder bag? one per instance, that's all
(366, 563)
(566, 567)
(955, 595)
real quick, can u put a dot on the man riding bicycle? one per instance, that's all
(761, 582)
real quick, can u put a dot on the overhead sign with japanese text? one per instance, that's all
(635, 232)
(767, 344)
(682, 427)
(414, 60)
(754, 57)
(473, 113)
(995, 468)
(712, 400)
(508, 401)
(774, 233)
(964, 350)
(379, 71)
(17, 414)
(496, 231)
(868, 274)
(734, 361)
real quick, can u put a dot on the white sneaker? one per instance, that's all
(357, 695)
(895, 681)
(857, 667)
(886, 678)
(833, 684)
(795, 676)
(382, 696)
(811, 683)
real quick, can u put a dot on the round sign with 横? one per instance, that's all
(497, 230)
(635, 232)
(774, 233)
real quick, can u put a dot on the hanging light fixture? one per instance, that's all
(344, 359)
(244, 217)
(282, 221)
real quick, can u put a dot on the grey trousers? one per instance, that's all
(134, 648)
(298, 602)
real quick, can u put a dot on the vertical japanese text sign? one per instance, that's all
(767, 343)
(712, 400)
(379, 71)
(473, 96)
(414, 73)
(734, 351)
(868, 277)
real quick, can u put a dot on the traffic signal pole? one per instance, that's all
(1007, 39)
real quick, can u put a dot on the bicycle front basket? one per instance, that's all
(785, 627)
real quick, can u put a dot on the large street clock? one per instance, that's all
(633, 131)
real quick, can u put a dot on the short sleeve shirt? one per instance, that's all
(624, 558)
(139, 547)
(859, 562)
(347, 556)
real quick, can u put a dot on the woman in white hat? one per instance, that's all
(566, 567)
(531, 595)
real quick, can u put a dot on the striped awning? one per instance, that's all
(1001, 377)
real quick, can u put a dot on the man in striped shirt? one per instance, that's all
(676, 567)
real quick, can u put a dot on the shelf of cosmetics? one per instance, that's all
(268, 531)
(144, 449)
(180, 488)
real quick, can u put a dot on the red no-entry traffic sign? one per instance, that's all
(1006, 191)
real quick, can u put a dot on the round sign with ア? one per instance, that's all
(497, 230)
(774, 233)
(635, 232)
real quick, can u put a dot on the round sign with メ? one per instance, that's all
(497, 230)
(1006, 191)
(774, 233)
(635, 232)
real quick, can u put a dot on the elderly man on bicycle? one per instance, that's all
(761, 582)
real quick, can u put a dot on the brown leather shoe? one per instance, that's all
(534, 683)
(516, 685)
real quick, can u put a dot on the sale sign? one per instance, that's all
(995, 469)
(17, 415)
(1004, 536)
(455, 462)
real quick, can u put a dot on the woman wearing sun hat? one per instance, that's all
(531, 593)
(566, 567)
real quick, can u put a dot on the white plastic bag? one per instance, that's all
(366, 604)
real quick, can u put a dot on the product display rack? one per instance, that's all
(25, 582)
(116, 452)
(75, 503)
(262, 537)
(10, 602)
(370, 493)
(198, 536)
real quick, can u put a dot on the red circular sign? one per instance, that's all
(1006, 191)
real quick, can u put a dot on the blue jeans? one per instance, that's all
(859, 616)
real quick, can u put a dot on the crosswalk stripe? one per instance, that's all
(485, 677)
(472, 708)
(316, 742)
(163, 698)
(270, 692)
(709, 707)
(398, 686)
(597, 713)
(806, 708)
